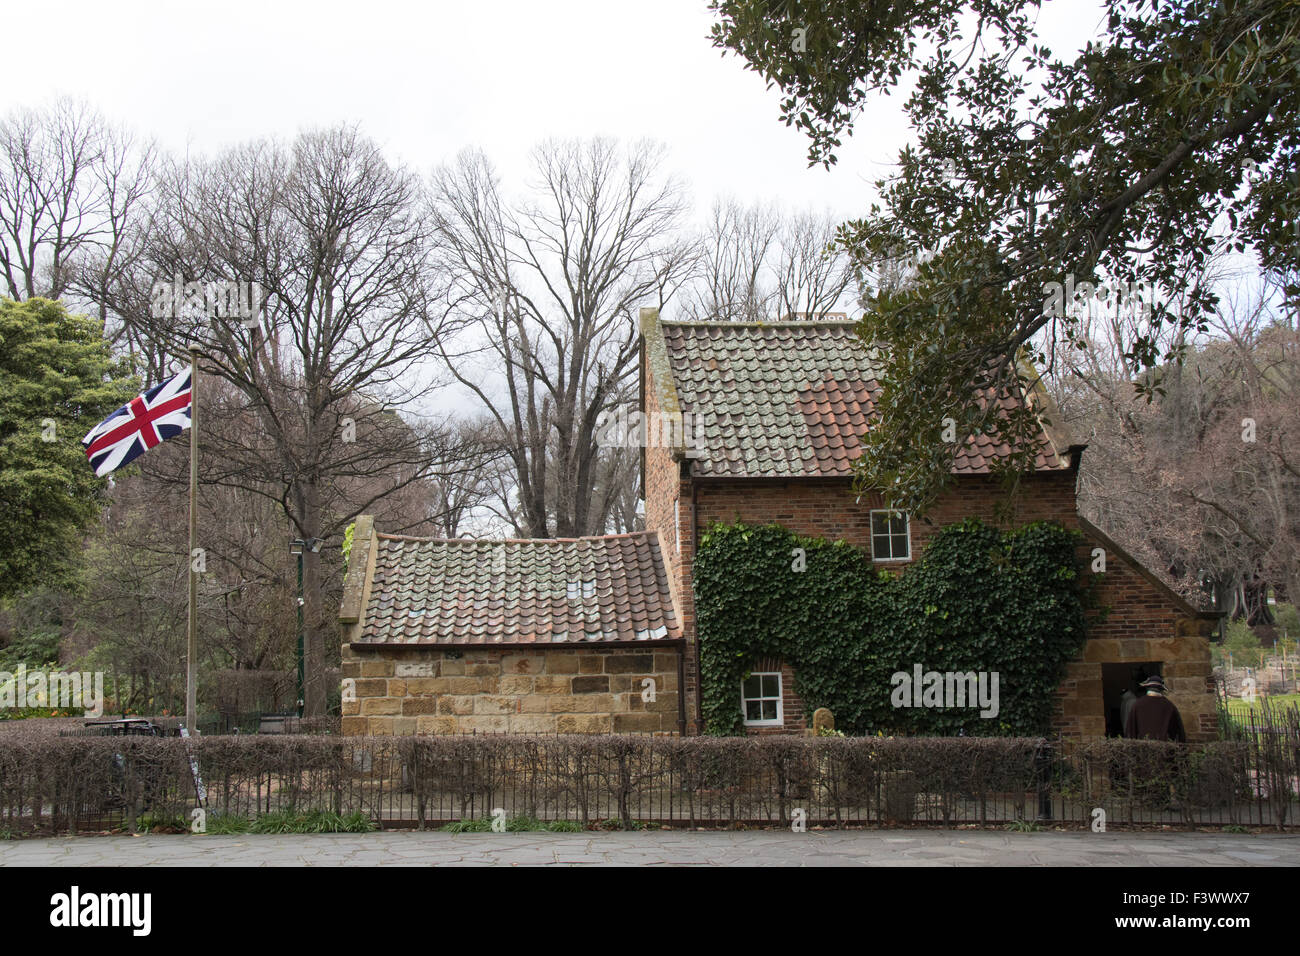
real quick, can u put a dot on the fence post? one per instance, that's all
(1043, 769)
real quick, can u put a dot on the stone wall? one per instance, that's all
(495, 690)
(1142, 621)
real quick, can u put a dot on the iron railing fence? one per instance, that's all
(75, 784)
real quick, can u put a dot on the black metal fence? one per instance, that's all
(76, 784)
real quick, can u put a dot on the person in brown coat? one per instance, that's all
(1154, 717)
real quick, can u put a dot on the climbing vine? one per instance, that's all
(980, 599)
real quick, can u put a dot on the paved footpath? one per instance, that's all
(666, 848)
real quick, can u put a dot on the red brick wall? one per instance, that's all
(828, 509)
(825, 508)
(666, 496)
(1145, 623)
(662, 485)
(792, 708)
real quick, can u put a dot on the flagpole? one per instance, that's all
(191, 660)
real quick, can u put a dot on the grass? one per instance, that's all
(1242, 708)
(311, 821)
(287, 821)
(161, 823)
(521, 824)
(618, 825)
(224, 823)
(564, 826)
(1024, 826)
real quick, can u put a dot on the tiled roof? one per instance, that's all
(787, 399)
(540, 591)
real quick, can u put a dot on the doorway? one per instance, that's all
(1117, 678)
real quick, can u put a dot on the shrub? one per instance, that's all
(562, 783)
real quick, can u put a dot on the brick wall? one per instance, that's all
(793, 711)
(1145, 623)
(489, 690)
(668, 511)
(662, 487)
(829, 509)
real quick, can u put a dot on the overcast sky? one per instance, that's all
(427, 79)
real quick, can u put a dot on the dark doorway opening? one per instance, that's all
(1117, 678)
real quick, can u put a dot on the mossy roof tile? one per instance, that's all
(543, 591)
(788, 399)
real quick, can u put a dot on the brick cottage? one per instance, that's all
(598, 634)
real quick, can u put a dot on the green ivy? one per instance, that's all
(347, 547)
(979, 599)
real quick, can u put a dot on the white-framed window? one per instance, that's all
(891, 536)
(760, 699)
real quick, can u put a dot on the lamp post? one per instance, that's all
(301, 546)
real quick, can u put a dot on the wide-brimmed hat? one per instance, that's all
(1155, 682)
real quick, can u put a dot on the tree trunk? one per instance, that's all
(314, 690)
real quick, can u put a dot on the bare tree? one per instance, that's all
(813, 274)
(731, 284)
(339, 240)
(756, 263)
(70, 186)
(548, 290)
(1203, 481)
(459, 502)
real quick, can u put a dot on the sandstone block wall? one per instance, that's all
(1141, 622)
(496, 690)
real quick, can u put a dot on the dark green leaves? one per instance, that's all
(979, 599)
(57, 380)
(1128, 163)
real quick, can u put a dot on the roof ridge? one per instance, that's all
(658, 366)
(716, 323)
(587, 537)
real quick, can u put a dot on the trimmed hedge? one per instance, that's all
(59, 785)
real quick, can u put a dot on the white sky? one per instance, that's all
(427, 79)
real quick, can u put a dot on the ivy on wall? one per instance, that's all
(980, 599)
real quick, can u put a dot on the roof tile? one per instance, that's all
(543, 591)
(789, 399)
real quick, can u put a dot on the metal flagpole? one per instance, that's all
(192, 654)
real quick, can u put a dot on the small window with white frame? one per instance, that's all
(891, 536)
(760, 700)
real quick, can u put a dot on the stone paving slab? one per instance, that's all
(666, 848)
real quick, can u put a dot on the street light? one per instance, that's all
(300, 546)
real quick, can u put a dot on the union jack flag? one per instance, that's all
(147, 420)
